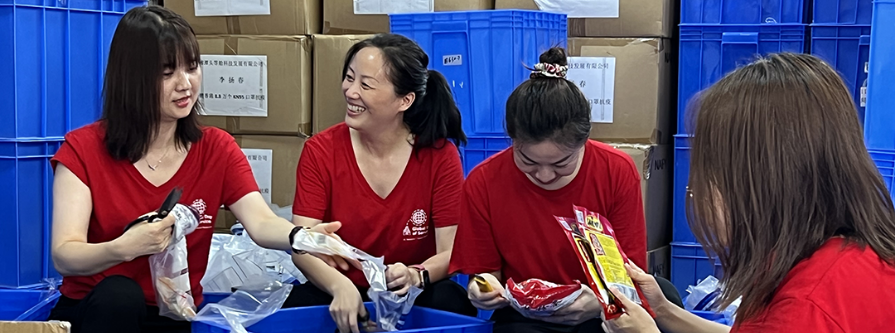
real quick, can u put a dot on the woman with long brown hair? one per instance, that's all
(783, 191)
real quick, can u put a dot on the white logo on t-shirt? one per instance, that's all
(205, 221)
(417, 226)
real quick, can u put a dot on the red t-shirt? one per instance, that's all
(214, 172)
(508, 222)
(835, 290)
(330, 187)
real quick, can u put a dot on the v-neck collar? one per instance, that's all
(360, 175)
(175, 179)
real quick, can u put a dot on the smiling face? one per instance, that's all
(180, 89)
(548, 165)
(369, 93)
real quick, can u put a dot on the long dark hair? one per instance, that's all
(434, 114)
(147, 40)
(778, 168)
(548, 107)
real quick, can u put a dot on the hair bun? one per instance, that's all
(555, 55)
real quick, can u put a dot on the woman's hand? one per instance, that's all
(585, 307)
(648, 285)
(145, 238)
(634, 320)
(491, 300)
(330, 229)
(400, 278)
(346, 307)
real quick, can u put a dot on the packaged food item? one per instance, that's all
(603, 260)
(536, 297)
(483, 284)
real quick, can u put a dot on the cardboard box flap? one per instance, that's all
(35, 327)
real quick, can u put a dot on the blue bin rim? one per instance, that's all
(470, 321)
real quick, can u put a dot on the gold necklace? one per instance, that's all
(151, 167)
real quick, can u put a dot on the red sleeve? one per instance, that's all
(792, 315)
(474, 248)
(239, 179)
(448, 188)
(311, 190)
(69, 155)
(626, 212)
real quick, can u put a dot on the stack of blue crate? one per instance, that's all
(840, 34)
(52, 56)
(483, 55)
(717, 36)
(879, 120)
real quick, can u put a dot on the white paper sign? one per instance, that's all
(595, 76)
(393, 6)
(581, 8)
(234, 85)
(231, 7)
(261, 161)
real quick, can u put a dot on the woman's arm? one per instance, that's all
(72, 254)
(324, 276)
(437, 265)
(673, 319)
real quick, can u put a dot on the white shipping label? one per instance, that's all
(595, 76)
(234, 85)
(863, 97)
(581, 8)
(261, 161)
(231, 7)
(393, 6)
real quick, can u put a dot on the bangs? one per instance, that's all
(178, 46)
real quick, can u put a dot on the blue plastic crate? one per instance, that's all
(741, 11)
(483, 55)
(680, 228)
(27, 305)
(26, 178)
(879, 116)
(842, 11)
(689, 264)
(885, 162)
(52, 56)
(840, 45)
(479, 149)
(317, 319)
(710, 52)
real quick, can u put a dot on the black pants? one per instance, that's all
(508, 320)
(116, 304)
(445, 295)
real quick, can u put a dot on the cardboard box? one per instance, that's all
(35, 327)
(643, 111)
(655, 184)
(287, 17)
(339, 17)
(286, 151)
(329, 57)
(659, 262)
(288, 79)
(636, 18)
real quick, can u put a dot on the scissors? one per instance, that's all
(163, 211)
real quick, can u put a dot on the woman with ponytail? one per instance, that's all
(508, 228)
(391, 173)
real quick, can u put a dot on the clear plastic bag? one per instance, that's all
(170, 269)
(246, 306)
(390, 308)
(703, 294)
(238, 260)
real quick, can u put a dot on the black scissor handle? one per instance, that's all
(163, 211)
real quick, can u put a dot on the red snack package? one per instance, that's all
(607, 260)
(536, 297)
